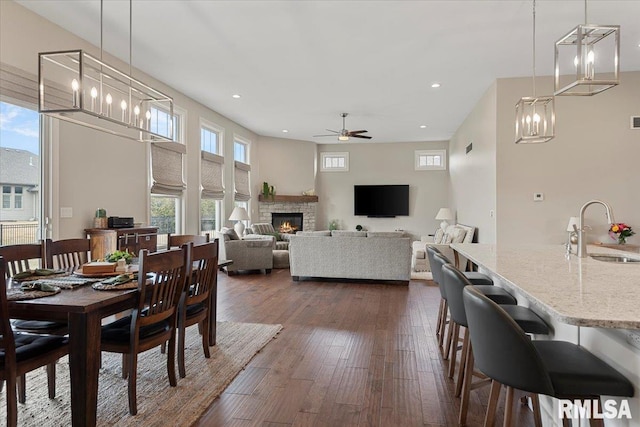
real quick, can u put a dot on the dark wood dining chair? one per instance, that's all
(177, 240)
(21, 353)
(129, 243)
(197, 302)
(68, 254)
(161, 282)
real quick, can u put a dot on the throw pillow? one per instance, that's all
(230, 232)
(458, 235)
(438, 237)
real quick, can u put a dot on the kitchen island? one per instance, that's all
(593, 303)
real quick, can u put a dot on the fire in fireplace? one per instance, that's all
(287, 223)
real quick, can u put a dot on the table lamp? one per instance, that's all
(445, 215)
(239, 214)
(573, 236)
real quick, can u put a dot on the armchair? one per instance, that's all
(253, 252)
(266, 229)
(457, 233)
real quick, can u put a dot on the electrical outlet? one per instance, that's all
(538, 197)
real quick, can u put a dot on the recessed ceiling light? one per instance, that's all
(235, 96)
(423, 126)
(435, 85)
(285, 130)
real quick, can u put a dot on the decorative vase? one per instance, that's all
(622, 240)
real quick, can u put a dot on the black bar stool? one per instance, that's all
(554, 368)
(455, 282)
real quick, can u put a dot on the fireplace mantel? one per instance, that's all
(287, 199)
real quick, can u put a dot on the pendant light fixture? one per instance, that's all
(535, 116)
(77, 87)
(587, 59)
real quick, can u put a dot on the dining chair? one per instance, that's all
(195, 306)
(129, 243)
(21, 353)
(177, 240)
(161, 282)
(68, 254)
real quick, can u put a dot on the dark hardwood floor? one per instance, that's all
(350, 354)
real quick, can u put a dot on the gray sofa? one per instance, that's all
(350, 255)
(252, 252)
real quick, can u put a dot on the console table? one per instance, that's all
(107, 240)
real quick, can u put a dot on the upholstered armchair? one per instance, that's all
(456, 233)
(252, 252)
(266, 229)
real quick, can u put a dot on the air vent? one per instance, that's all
(635, 122)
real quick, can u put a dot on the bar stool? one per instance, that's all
(554, 368)
(455, 283)
(436, 271)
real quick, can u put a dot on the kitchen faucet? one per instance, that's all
(580, 230)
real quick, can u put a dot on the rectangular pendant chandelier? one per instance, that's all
(535, 120)
(587, 60)
(79, 88)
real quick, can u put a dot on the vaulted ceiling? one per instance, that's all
(298, 64)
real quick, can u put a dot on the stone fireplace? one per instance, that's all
(303, 207)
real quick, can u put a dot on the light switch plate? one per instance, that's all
(66, 212)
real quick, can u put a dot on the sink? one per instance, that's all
(614, 258)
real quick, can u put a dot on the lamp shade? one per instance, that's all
(572, 221)
(444, 214)
(239, 214)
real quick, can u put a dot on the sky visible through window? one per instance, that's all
(19, 128)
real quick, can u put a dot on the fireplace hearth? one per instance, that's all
(287, 223)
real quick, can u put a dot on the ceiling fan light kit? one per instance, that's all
(535, 116)
(344, 134)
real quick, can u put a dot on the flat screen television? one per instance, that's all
(383, 201)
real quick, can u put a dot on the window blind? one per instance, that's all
(241, 181)
(166, 168)
(211, 170)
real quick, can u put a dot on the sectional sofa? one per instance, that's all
(351, 255)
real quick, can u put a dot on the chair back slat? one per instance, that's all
(204, 260)
(7, 342)
(168, 272)
(177, 240)
(68, 254)
(19, 258)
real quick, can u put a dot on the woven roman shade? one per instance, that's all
(18, 84)
(241, 180)
(211, 166)
(166, 168)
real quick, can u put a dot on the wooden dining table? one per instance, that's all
(83, 308)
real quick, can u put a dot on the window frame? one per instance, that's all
(442, 153)
(219, 131)
(334, 154)
(213, 128)
(247, 149)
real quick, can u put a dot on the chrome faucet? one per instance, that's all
(580, 230)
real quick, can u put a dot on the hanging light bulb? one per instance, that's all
(74, 87)
(94, 95)
(108, 100)
(123, 106)
(136, 115)
(533, 111)
(148, 116)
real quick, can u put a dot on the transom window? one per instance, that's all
(162, 123)
(209, 140)
(430, 160)
(241, 151)
(337, 162)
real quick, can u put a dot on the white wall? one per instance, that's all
(473, 174)
(94, 167)
(593, 156)
(372, 164)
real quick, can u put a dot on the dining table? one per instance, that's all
(84, 308)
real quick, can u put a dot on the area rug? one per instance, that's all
(158, 403)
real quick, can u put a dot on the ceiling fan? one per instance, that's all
(344, 134)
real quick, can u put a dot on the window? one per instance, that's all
(241, 172)
(167, 174)
(337, 162)
(6, 197)
(430, 160)
(211, 174)
(17, 197)
(240, 151)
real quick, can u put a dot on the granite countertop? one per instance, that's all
(576, 291)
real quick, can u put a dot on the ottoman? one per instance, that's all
(280, 258)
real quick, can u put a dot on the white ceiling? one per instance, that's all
(299, 64)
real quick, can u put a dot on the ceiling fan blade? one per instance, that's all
(353, 132)
(360, 136)
(334, 131)
(322, 135)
